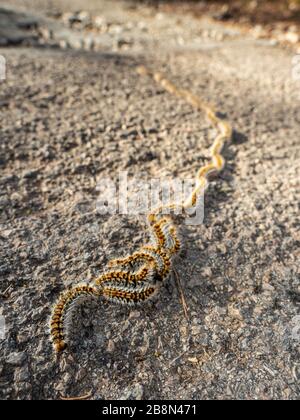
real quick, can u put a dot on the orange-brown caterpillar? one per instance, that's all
(63, 308)
(136, 278)
(144, 256)
(125, 277)
(128, 296)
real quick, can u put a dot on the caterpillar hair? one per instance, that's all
(125, 277)
(62, 310)
(128, 296)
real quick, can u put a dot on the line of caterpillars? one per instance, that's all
(136, 278)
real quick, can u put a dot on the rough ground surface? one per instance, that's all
(73, 111)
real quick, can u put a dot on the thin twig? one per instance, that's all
(182, 298)
(83, 397)
(193, 267)
(5, 294)
(177, 357)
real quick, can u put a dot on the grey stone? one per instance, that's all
(16, 358)
(134, 393)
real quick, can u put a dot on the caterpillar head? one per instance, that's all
(59, 346)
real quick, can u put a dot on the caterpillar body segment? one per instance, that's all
(211, 115)
(165, 211)
(218, 162)
(168, 86)
(165, 236)
(217, 147)
(159, 257)
(125, 277)
(161, 260)
(157, 76)
(63, 308)
(172, 243)
(132, 263)
(129, 261)
(163, 274)
(159, 236)
(206, 170)
(226, 129)
(145, 256)
(128, 296)
(197, 193)
(162, 264)
(196, 102)
(142, 70)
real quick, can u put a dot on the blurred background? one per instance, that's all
(245, 11)
(281, 16)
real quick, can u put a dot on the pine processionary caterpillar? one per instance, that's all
(63, 308)
(118, 277)
(136, 277)
(143, 257)
(128, 296)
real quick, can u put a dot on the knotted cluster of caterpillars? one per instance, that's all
(137, 277)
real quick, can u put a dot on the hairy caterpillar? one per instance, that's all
(63, 310)
(129, 296)
(143, 257)
(125, 277)
(135, 278)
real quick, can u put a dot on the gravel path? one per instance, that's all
(74, 112)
